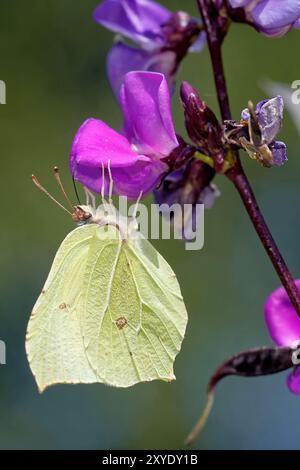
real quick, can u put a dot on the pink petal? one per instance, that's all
(96, 143)
(282, 320)
(293, 381)
(145, 101)
(142, 177)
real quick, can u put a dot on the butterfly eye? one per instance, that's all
(80, 215)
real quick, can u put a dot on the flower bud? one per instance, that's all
(202, 125)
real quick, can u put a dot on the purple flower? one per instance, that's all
(123, 59)
(263, 125)
(135, 156)
(284, 327)
(139, 20)
(163, 38)
(191, 184)
(270, 17)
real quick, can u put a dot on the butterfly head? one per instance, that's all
(82, 214)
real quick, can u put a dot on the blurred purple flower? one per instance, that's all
(264, 124)
(189, 185)
(135, 156)
(163, 38)
(139, 20)
(270, 17)
(284, 327)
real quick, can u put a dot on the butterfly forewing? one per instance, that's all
(134, 316)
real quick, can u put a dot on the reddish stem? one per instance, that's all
(237, 174)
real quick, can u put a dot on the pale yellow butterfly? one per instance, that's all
(111, 309)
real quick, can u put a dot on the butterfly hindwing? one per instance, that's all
(54, 340)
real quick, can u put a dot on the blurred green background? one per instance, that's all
(53, 62)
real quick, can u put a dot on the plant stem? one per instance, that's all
(216, 59)
(243, 186)
(237, 174)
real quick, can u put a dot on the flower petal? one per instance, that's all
(285, 91)
(96, 143)
(282, 320)
(145, 101)
(123, 59)
(200, 42)
(139, 20)
(141, 177)
(293, 381)
(275, 17)
(278, 150)
(269, 116)
(238, 3)
(91, 178)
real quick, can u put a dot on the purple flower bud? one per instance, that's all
(202, 125)
(270, 17)
(190, 184)
(284, 327)
(135, 156)
(263, 126)
(163, 38)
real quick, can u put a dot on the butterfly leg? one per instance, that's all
(111, 183)
(133, 225)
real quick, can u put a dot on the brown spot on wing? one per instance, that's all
(121, 322)
(62, 306)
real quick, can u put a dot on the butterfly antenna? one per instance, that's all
(41, 188)
(57, 177)
(76, 192)
(137, 205)
(111, 183)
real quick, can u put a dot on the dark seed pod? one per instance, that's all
(251, 363)
(254, 363)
